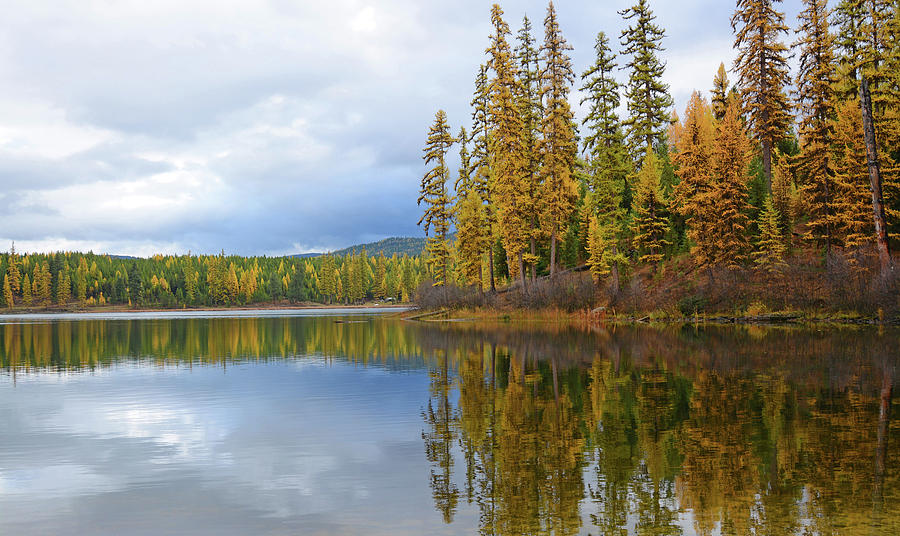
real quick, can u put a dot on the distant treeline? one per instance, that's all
(86, 279)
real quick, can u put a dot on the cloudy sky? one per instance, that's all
(267, 127)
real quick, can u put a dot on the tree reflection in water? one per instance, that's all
(566, 430)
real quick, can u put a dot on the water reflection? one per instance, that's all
(538, 429)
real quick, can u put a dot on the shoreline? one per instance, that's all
(585, 317)
(16, 311)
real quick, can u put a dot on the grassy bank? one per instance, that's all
(810, 289)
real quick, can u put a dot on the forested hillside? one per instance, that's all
(397, 245)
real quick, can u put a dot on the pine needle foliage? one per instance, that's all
(433, 193)
(762, 70)
(559, 144)
(720, 92)
(815, 103)
(647, 95)
(650, 224)
(770, 249)
(510, 180)
(854, 227)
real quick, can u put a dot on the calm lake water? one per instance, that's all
(340, 423)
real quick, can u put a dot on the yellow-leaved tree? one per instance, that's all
(694, 196)
(650, 223)
(433, 193)
(558, 143)
(815, 103)
(510, 191)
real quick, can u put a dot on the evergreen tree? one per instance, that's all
(8, 300)
(13, 271)
(720, 93)
(297, 287)
(529, 98)
(647, 96)
(770, 249)
(762, 71)
(433, 193)
(604, 141)
(559, 145)
(650, 224)
(510, 185)
(783, 195)
(481, 160)
(135, 285)
(273, 286)
(853, 202)
(695, 195)
(815, 103)
(27, 298)
(728, 242)
(607, 163)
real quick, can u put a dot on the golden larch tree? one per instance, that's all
(527, 58)
(650, 223)
(558, 145)
(731, 159)
(693, 196)
(770, 249)
(433, 193)
(468, 213)
(510, 191)
(815, 105)
(853, 202)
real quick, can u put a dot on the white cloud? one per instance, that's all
(256, 128)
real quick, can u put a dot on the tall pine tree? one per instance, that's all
(433, 193)
(815, 104)
(482, 174)
(762, 71)
(510, 184)
(647, 95)
(529, 99)
(559, 145)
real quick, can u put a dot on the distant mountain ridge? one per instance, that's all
(401, 245)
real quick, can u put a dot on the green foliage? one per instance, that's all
(647, 95)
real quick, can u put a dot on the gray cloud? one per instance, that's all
(135, 127)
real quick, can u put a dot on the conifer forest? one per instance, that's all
(765, 170)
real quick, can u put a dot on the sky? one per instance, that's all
(261, 128)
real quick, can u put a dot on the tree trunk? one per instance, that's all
(533, 262)
(614, 272)
(552, 254)
(767, 164)
(522, 271)
(491, 267)
(865, 99)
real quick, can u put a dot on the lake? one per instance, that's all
(352, 422)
